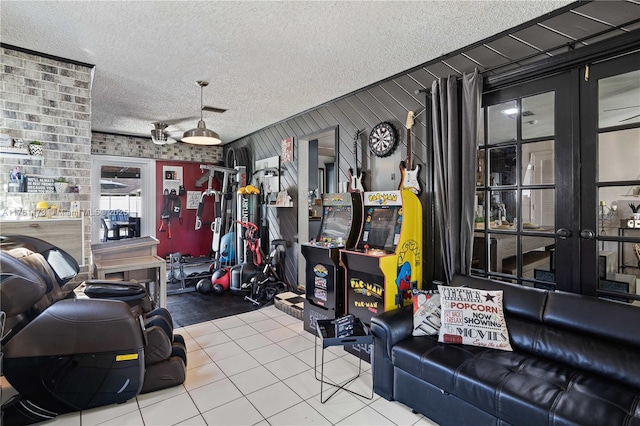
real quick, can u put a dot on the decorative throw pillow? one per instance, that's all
(426, 312)
(473, 317)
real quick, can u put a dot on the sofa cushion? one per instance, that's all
(426, 312)
(473, 317)
(585, 315)
(434, 362)
(612, 347)
(517, 387)
(518, 300)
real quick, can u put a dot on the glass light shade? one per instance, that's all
(201, 135)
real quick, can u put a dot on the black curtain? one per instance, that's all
(455, 142)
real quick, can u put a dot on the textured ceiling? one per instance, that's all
(265, 60)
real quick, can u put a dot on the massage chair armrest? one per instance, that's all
(131, 284)
(392, 327)
(127, 291)
(78, 326)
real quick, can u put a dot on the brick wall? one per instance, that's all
(138, 147)
(47, 100)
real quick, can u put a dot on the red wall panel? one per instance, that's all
(185, 239)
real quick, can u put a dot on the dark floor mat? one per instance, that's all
(192, 308)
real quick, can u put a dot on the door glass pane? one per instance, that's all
(502, 122)
(482, 168)
(618, 262)
(538, 163)
(479, 252)
(619, 100)
(619, 267)
(481, 127)
(503, 209)
(537, 116)
(479, 210)
(538, 210)
(618, 208)
(619, 155)
(120, 202)
(538, 256)
(502, 166)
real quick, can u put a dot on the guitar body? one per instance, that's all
(355, 181)
(356, 177)
(408, 177)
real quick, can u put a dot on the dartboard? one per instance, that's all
(383, 139)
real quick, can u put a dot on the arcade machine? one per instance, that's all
(325, 290)
(387, 260)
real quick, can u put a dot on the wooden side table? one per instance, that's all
(325, 330)
(133, 259)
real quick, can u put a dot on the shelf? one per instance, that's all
(279, 206)
(19, 154)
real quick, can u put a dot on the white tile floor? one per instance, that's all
(253, 369)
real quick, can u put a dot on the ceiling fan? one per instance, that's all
(161, 136)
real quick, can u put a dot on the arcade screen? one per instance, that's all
(380, 230)
(336, 223)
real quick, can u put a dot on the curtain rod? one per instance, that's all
(570, 45)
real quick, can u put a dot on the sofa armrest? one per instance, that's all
(392, 327)
(388, 329)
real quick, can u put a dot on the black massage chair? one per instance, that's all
(62, 353)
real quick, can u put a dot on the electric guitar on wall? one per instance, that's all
(355, 178)
(408, 177)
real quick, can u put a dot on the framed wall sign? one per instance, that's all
(287, 150)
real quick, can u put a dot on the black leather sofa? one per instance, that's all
(576, 361)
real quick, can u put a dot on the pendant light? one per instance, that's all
(201, 135)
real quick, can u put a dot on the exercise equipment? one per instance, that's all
(204, 286)
(242, 273)
(267, 283)
(248, 209)
(228, 248)
(221, 280)
(339, 229)
(171, 207)
(50, 354)
(222, 244)
(219, 225)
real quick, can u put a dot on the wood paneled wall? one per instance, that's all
(387, 101)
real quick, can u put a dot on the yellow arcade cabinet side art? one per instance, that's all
(387, 261)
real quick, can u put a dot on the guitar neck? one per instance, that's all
(355, 150)
(409, 148)
(355, 154)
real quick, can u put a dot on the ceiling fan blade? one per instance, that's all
(173, 121)
(175, 134)
(166, 140)
(213, 109)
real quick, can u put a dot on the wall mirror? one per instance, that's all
(124, 205)
(317, 174)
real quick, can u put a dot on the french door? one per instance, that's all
(526, 185)
(610, 185)
(558, 179)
